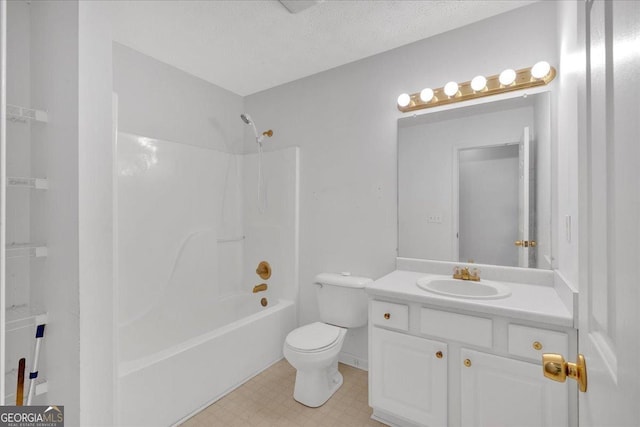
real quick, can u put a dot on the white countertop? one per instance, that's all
(535, 303)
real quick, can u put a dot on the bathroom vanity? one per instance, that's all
(437, 360)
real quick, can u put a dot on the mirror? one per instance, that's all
(474, 184)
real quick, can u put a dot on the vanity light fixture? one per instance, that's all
(509, 80)
(540, 70)
(479, 83)
(426, 95)
(404, 100)
(451, 89)
(507, 77)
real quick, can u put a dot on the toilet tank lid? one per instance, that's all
(342, 279)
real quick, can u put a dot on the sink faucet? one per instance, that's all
(463, 273)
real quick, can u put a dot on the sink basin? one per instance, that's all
(443, 285)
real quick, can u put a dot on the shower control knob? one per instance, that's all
(264, 270)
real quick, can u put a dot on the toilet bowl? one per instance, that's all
(313, 349)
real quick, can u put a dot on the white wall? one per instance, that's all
(345, 122)
(565, 123)
(156, 100)
(159, 101)
(95, 215)
(545, 201)
(54, 80)
(20, 291)
(272, 234)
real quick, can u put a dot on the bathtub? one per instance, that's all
(160, 381)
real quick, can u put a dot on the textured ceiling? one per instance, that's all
(249, 46)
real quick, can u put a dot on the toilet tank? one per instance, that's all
(342, 299)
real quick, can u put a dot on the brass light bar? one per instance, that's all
(523, 80)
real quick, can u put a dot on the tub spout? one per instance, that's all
(260, 288)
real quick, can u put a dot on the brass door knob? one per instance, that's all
(439, 354)
(467, 363)
(387, 316)
(519, 243)
(556, 368)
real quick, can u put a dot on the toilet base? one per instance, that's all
(314, 387)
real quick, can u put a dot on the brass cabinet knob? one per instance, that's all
(537, 345)
(467, 363)
(439, 354)
(387, 316)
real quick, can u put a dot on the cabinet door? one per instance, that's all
(497, 391)
(408, 378)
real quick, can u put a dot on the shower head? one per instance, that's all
(246, 118)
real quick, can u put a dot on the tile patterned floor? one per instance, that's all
(267, 400)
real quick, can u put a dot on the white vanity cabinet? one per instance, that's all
(432, 366)
(498, 391)
(408, 377)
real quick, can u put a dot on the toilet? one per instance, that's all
(313, 349)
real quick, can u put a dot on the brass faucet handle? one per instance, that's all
(456, 273)
(475, 275)
(264, 270)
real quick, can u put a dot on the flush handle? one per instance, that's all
(556, 368)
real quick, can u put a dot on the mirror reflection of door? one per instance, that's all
(488, 203)
(526, 203)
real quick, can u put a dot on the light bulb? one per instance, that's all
(540, 70)
(426, 94)
(450, 89)
(478, 83)
(404, 100)
(507, 77)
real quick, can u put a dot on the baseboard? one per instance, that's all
(355, 361)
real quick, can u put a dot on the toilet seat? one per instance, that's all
(312, 338)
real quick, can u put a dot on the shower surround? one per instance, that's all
(189, 238)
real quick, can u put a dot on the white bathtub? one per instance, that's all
(161, 381)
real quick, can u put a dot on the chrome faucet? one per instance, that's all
(463, 273)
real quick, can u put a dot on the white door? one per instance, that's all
(609, 318)
(525, 202)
